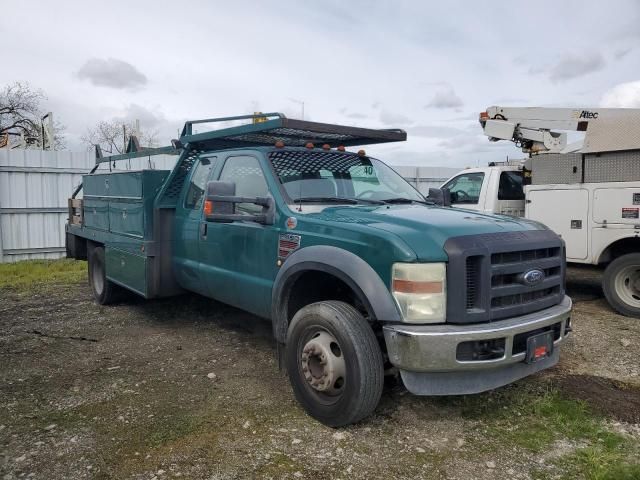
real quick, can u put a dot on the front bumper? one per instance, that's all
(428, 358)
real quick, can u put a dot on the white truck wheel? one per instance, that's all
(621, 284)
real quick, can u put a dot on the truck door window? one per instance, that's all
(246, 173)
(510, 186)
(198, 182)
(465, 188)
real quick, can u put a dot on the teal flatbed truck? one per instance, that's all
(358, 273)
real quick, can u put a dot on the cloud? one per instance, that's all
(621, 53)
(445, 98)
(435, 131)
(390, 118)
(576, 65)
(148, 118)
(625, 95)
(112, 73)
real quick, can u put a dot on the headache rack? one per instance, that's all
(261, 130)
(264, 130)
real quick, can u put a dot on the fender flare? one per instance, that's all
(346, 266)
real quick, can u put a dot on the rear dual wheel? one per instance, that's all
(334, 363)
(104, 290)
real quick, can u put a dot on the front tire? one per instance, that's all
(621, 284)
(104, 290)
(334, 363)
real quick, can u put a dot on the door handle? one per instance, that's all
(203, 229)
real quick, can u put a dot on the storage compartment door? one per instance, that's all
(616, 205)
(127, 269)
(96, 214)
(566, 212)
(126, 218)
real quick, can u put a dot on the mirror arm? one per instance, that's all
(236, 217)
(262, 201)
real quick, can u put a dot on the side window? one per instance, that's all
(510, 186)
(465, 188)
(198, 183)
(246, 173)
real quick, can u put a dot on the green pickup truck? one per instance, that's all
(359, 274)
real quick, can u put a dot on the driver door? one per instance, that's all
(238, 259)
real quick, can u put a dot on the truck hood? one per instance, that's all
(425, 228)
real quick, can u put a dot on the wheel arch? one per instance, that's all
(620, 247)
(341, 264)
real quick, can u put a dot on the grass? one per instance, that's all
(30, 273)
(533, 417)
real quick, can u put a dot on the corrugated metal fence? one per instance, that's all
(35, 186)
(424, 178)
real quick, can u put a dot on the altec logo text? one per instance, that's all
(585, 114)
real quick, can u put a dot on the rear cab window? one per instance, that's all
(510, 186)
(195, 194)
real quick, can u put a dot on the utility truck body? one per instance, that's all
(357, 272)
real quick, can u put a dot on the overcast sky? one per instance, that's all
(426, 67)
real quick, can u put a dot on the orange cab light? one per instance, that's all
(309, 145)
(341, 148)
(208, 207)
(407, 286)
(326, 146)
(361, 153)
(279, 144)
(484, 115)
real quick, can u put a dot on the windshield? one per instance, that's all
(327, 176)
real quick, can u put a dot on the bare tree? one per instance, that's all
(113, 136)
(21, 113)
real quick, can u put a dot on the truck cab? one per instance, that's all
(493, 189)
(359, 275)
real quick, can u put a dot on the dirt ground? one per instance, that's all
(187, 387)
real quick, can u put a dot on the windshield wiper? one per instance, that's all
(406, 200)
(350, 201)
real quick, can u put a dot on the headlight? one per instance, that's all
(420, 290)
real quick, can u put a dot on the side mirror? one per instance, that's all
(220, 205)
(440, 196)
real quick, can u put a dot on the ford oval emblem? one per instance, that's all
(532, 277)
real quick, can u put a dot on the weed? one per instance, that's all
(29, 273)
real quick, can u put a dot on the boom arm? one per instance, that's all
(543, 130)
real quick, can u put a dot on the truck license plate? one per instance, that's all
(539, 347)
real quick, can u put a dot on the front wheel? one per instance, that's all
(621, 284)
(334, 363)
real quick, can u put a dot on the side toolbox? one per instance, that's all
(129, 270)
